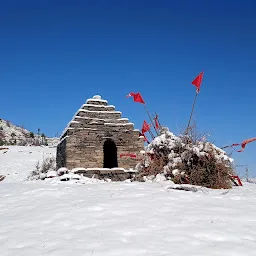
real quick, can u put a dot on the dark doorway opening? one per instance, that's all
(110, 154)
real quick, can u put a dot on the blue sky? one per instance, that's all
(56, 54)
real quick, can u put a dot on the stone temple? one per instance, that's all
(98, 137)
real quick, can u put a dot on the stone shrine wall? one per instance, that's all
(98, 136)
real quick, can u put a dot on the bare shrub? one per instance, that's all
(22, 143)
(156, 166)
(48, 164)
(209, 173)
(2, 142)
(188, 159)
(40, 170)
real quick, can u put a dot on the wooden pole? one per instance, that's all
(158, 121)
(152, 135)
(191, 113)
(151, 119)
(247, 174)
(225, 147)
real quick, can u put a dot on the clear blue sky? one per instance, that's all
(56, 54)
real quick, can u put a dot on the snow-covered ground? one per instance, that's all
(18, 162)
(62, 219)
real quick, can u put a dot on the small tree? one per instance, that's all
(31, 135)
(13, 141)
(2, 142)
(48, 164)
(43, 138)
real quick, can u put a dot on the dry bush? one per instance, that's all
(188, 159)
(48, 164)
(156, 166)
(193, 135)
(209, 173)
(22, 143)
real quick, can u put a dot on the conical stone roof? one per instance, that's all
(95, 122)
(96, 114)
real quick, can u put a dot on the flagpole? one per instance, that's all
(137, 98)
(191, 113)
(151, 119)
(152, 135)
(158, 121)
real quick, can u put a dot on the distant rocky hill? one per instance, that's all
(11, 134)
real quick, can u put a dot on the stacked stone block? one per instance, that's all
(83, 140)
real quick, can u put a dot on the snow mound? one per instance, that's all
(98, 97)
(51, 174)
(62, 171)
(186, 160)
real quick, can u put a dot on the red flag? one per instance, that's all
(233, 145)
(136, 97)
(145, 127)
(197, 81)
(238, 180)
(244, 143)
(156, 122)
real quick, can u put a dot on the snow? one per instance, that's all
(92, 217)
(65, 137)
(98, 106)
(78, 169)
(7, 128)
(96, 97)
(85, 110)
(69, 176)
(107, 219)
(71, 128)
(76, 177)
(65, 177)
(99, 111)
(176, 172)
(97, 100)
(252, 180)
(10, 132)
(62, 170)
(101, 119)
(119, 124)
(102, 169)
(97, 169)
(117, 169)
(51, 174)
(169, 143)
(18, 162)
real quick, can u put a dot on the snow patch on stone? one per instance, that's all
(51, 174)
